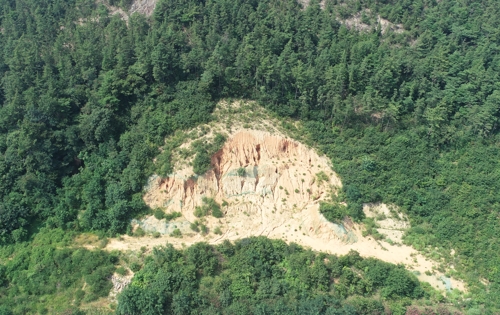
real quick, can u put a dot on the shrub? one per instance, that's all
(210, 206)
(352, 193)
(159, 214)
(217, 143)
(90, 297)
(176, 233)
(366, 306)
(129, 230)
(241, 171)
(99, 282)
(401, 283)
(194, 226)
(371, 229)
(204, 151)
(333, 212)
(200, 212)
(156, 234)
(172, 216)
(201, 162)
(204, 229)
(368, 164)
(218, 231)
(216, 212)
(103, 242)
(135, 266)
(355, 211)
(139, 232)
(322, 177)
(79, 295)
(121, 271)
(213, 206)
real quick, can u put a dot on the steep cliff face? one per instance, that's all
(265, 182)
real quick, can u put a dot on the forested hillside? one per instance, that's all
(260, 276)
(409, 118)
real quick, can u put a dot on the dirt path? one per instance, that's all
(366, 247)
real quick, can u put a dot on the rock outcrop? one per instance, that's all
(145, 7)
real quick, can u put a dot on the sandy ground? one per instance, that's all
(290, 231)
(366, 247)
(270, 185)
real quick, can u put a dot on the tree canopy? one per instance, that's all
(408, 114)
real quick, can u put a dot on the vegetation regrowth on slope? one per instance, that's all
(258, 275)
(409, 118)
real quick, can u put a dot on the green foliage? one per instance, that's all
(409, 118)
(355, 211)
(172, 216)
(159, 214)
(139, 232)
(200, 212)
(210, 206)
(195, 226)
(218, 231)
(135, 266)
(322, 177)
(5, 311)
(400, 282)
(176, 233)
(256, 274)
(121, 271)
(201, 162)
(364, 306)
(216, 212)
(333, 212)
(203, 229)
(48, 267)
(371, 229)
(241, 171)
(204, 151)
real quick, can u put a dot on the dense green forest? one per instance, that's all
(408, 118)
(260, 276)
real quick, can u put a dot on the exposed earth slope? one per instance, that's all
(268, 184)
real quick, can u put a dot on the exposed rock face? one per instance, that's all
(269, 162)
(355, 22)
(145, 7)
(267, 180)
(119, 283)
